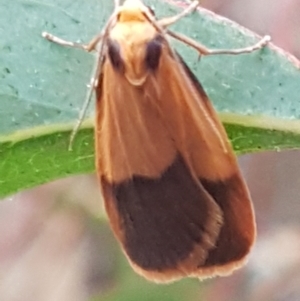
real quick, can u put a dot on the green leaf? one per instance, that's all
(43, 85)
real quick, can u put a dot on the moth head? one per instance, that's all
(134, 45)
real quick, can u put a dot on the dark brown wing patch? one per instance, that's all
(164, 219)
(236, 237)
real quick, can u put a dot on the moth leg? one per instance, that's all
(87, 47)
(165, 22)
(206, 51)
(94, 79)
(92, 45)
(161, 25)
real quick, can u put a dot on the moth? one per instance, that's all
(175, 197)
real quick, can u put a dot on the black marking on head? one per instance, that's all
(231, 245)
(153, 53)
(114, 55)
(162, 219)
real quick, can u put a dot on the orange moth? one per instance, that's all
(173, 192)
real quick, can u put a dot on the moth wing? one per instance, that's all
(172, 188)
(210, 156)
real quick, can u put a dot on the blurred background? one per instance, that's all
(52, 247)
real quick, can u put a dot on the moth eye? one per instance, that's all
(153, 53)
(114, 55)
